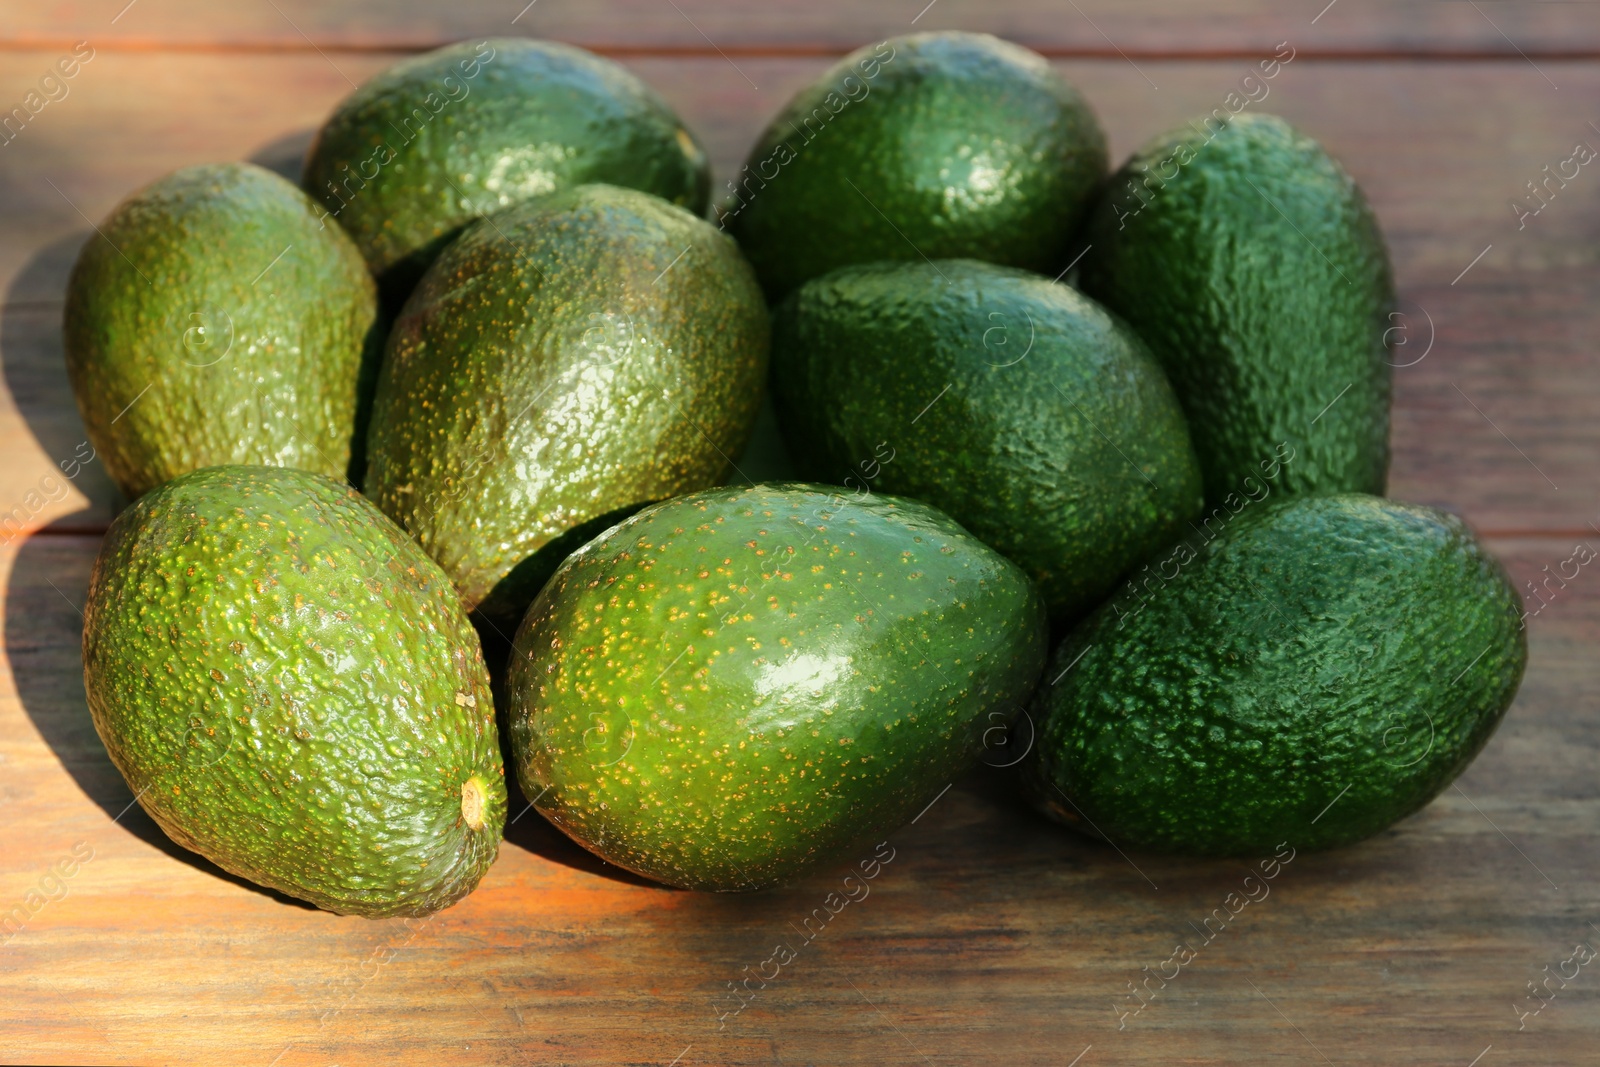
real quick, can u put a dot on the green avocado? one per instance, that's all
(564, 360)
(736, 685)
(930, 146)
(440, 139)
(1249, 260)
(292, 690)
(1318, 669)
(1016, 405)
(214, 320)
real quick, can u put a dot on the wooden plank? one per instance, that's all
(991, 936)
(1095, 27)
(1494, 422)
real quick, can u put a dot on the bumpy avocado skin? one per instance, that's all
(1018, 406)
(570, 357)
(440, 139)
(933, 145)
(1258, 275)
(735, 685)
(1322, 668)
(292, 690)
(217, 320)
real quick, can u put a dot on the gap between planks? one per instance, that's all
(802, 51)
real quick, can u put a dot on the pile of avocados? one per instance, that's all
(434, 466)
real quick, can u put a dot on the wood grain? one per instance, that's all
(1093, 27)
(990, 937)
(1494, 422)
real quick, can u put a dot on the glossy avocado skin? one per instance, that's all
(1258, 276)
(568, 358)
(736, 685)
(1321, 668)
(464, 131)
(219, 321)
(933, 145)
(292, 690)
(1017, 406)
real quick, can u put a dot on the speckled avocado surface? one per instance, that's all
(443, 138)
(1016, 405)
(1249, 260)
(1319, 669)
(214, 320)
(292, 690)
(567, 359)
(933, 145)
(733, 686)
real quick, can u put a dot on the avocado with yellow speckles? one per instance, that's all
(565, 360)
(291, 689)
(440, 139)
(215, 319)
(733, 686)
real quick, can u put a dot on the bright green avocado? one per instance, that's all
(438, 140)
(1016, 405)
(1249, 260)
(1319, 669)
(736, 685)
(565, 360)
(215, 319)
(291, 689)
(930, 146)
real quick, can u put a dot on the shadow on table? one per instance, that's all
(1008, 825)
(30, 348)
(285, 155)
(526, 828)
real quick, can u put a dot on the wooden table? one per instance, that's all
(991, 937)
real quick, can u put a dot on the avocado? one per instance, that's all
(1319, 668)
(929, 146)
(1016, 405)
(1251, 263)
(565, 359)
(291, 689)
(440, 139)
(733, 686)
(216, 320)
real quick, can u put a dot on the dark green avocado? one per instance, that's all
(930, 146)
(736, 685)
(1318, 670)
(1016, 405)
(215, 319)
(565, 360)
(1251, 263)
(291, 689)
(440, 139)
